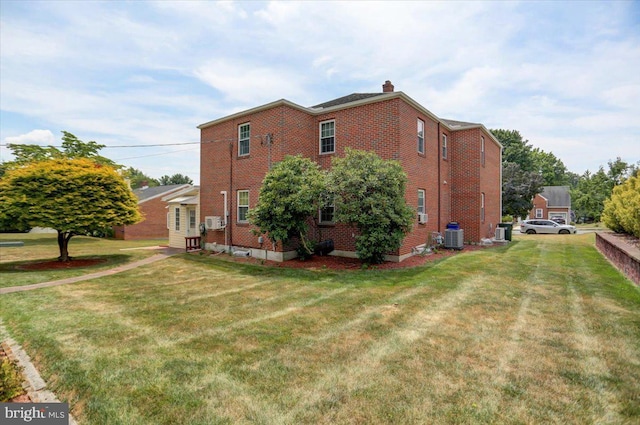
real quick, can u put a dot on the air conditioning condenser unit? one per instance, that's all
(454, 238)
(500, 233)
(213, 223)
(423, 218)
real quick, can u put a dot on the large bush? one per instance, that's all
(622, 210)
(290, 194)
(369, 195)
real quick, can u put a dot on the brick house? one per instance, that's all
(453, 167)
(154, 211)
(553, 203)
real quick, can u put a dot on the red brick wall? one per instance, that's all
(471, 178)
(153, 226)
(388, 127)
(624, 256)
(539, 203)
(221, 169)
(465, 181)
(491, 186)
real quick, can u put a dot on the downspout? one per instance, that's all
(439, 174)
(226, 217)
(229, 223)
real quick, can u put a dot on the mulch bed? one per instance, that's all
(329, 262)
(61, 265)
(630, 239)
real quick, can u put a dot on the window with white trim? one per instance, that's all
(244, 139)
(444, 146)
(243, 206)
(177, 219)
(328, 137)
(192, 219)
(421, 206)
(482, 150)
(482, 207)
(420, 136)
(327, 214)
(538, 212)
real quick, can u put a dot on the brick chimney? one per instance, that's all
(387, 87)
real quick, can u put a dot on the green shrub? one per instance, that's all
(369, 195)
(10, 380)
(622, 210)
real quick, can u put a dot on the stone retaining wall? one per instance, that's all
(623, 255)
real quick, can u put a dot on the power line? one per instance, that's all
(116, 146)
(153, 154)
(256, 136)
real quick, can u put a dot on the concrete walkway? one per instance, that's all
(166, 253)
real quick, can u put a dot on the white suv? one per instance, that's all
(545, 226)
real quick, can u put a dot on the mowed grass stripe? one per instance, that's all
(482, 337)
(600, 323)
(362, 368)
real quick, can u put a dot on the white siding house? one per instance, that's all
(183, 216)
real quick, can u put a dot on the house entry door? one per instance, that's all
(192, 229)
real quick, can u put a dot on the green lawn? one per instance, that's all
(541, 331)
(44, 246)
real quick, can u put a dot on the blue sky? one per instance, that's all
(135, 73)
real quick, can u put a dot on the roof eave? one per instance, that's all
(165, 193)
(275, 104)
(320, 111)
(183, 192)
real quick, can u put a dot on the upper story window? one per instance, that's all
(420, 136)
(444, 146)
(243, 206)
(482, 150)
(538, 212)
(328, 137)
(244, 138)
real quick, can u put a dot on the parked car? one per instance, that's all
(545, 226)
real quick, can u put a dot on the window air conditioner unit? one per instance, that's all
(423, 218)
(213, 223)
(500, 233)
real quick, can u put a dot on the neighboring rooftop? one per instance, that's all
(146, 193)
(557, 196)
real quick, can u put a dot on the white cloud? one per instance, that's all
(34, 137)
(248, 83)
(563, 74)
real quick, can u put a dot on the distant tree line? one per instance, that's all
(525, 170)
(138, 179)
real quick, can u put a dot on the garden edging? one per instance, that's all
(35, 386)
(623, 255)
